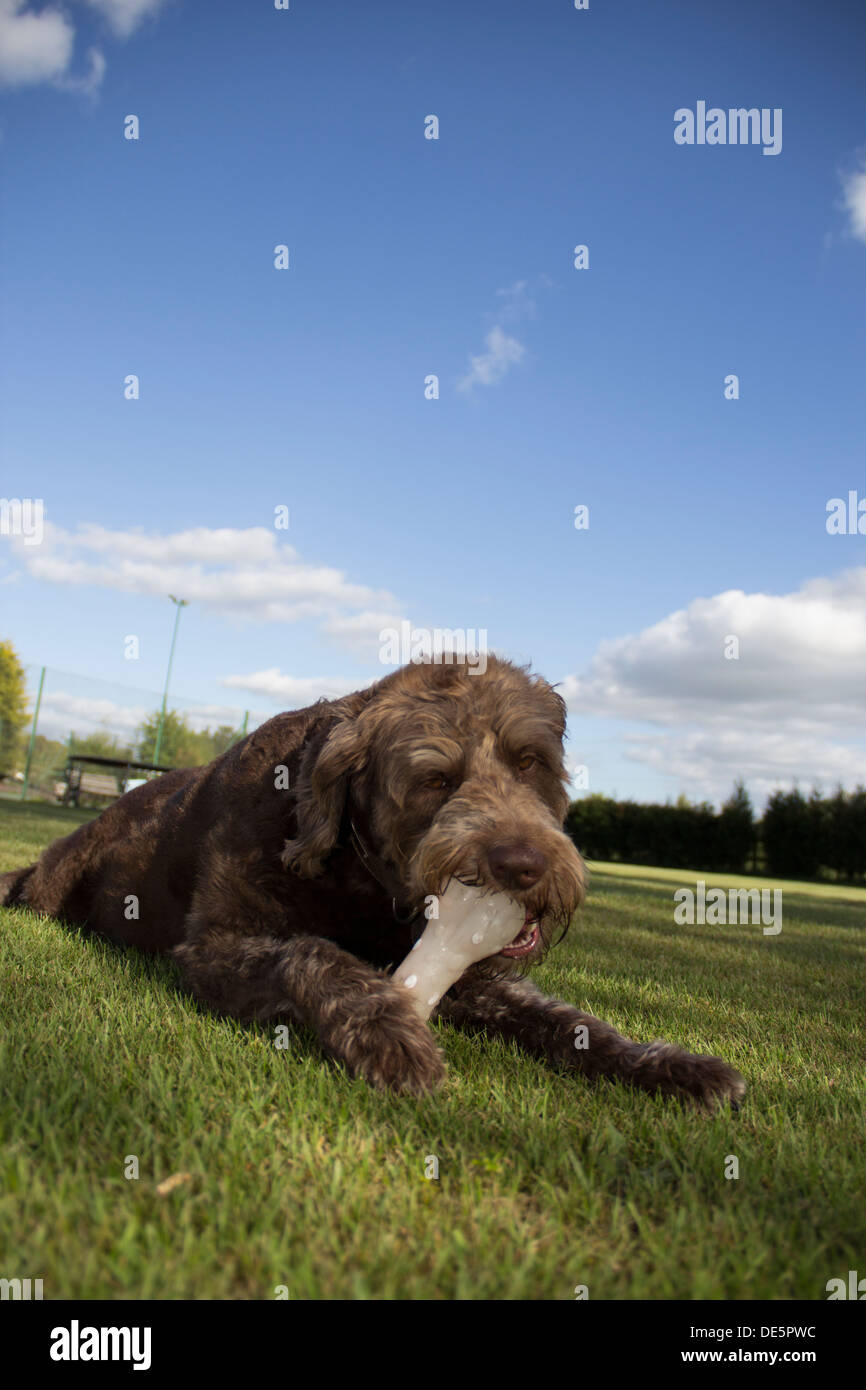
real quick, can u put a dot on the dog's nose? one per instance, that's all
(515, 865)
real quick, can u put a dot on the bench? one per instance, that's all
(112, 783)
(95, 783)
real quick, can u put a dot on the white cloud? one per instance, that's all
(515, 302)
(38, 45)
(801, 655)
(488, 368)
(359, 632)
(709, 760)
(33, 47)
(63, 711)
(854, 199)
(291, 692)
(92, 80)
(124, 16)
(791, 706)
(247, 575)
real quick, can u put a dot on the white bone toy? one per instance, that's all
(473, 923)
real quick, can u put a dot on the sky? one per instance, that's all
(171, 397)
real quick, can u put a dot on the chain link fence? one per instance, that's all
(72, 715)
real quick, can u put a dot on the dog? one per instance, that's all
(290, 874)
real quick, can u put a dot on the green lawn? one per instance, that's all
(301, 1177)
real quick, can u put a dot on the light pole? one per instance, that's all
(180, 603)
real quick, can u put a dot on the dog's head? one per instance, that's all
(442, 772)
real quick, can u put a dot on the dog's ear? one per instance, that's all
(557, 707)
(329, 760)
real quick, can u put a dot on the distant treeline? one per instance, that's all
(797, 836)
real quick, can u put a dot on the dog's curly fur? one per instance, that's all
(285, 877)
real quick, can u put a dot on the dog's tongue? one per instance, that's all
(472, 924)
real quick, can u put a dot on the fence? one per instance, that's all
(72, 713)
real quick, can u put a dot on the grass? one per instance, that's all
(301, 1177)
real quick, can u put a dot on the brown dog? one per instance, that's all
(289, 874)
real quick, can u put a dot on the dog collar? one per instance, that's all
(377, 868)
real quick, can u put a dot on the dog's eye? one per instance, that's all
(436, 783)
(526, 762)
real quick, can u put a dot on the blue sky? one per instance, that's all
(408, 257)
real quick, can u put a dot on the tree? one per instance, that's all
(800, 836)
(788, 833)
(845, 842)
(591, 823)
(49, 762)
(175, 743)
(736, 831)
(182, 746)
(101, 744)
(222, 738)
(13, 707)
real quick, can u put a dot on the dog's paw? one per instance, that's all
(710, 1082)
(384, 1042)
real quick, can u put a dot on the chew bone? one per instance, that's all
(473, 923)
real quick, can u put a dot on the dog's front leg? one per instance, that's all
(575, 1041)
(360, 1017)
